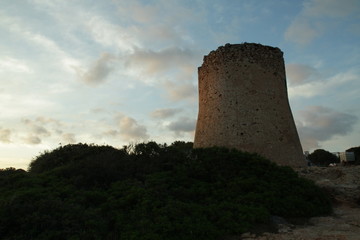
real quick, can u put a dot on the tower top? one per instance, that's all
(246, 52)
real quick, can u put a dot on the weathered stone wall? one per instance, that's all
(243, 103)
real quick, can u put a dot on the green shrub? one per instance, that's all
(150, 191)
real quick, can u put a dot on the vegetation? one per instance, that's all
(149, 191)
(356, 151)
(322, 157)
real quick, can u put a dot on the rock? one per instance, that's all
(248, 236)
(280, 224)
(342, 183)
(278, 220)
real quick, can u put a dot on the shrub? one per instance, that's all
(322, 157)
(150, 191)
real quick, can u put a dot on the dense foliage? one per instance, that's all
(321, 157)
(149, 191)
(356, 151)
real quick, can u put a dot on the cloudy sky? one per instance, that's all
(125, 71)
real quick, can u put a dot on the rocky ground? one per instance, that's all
(343, 185)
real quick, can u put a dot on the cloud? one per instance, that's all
(36, 129)
(40, 128)
(68, 138)
(35, 132)
(151, 63)
(301, 32)
(182, 125)
(316, 124)
(141, 13)
(93, 22)
(22, 102)
(146, 65)
(299, 74)
(320, 86)
(14, 65)
(98, 72)
(47, 120)
(160, 23)
(164, 113)
(23, 30)
(330, 8)
(111, 133)
(109, 34)
(180, 91)
(131, 130)
(158, 67)
(33, 140)
(312, 21)
(98, 110)
(5, 135)
(134, 25)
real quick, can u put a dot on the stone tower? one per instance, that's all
(243, 103)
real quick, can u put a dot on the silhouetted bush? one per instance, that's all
(149, 191)
(321, 157)
(356, 151)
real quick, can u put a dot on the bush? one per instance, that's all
(150, 191)
(322, 157)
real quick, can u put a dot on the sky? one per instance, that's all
(116, 72)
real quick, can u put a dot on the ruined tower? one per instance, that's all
(243, 103)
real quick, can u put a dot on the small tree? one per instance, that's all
(321, 157)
